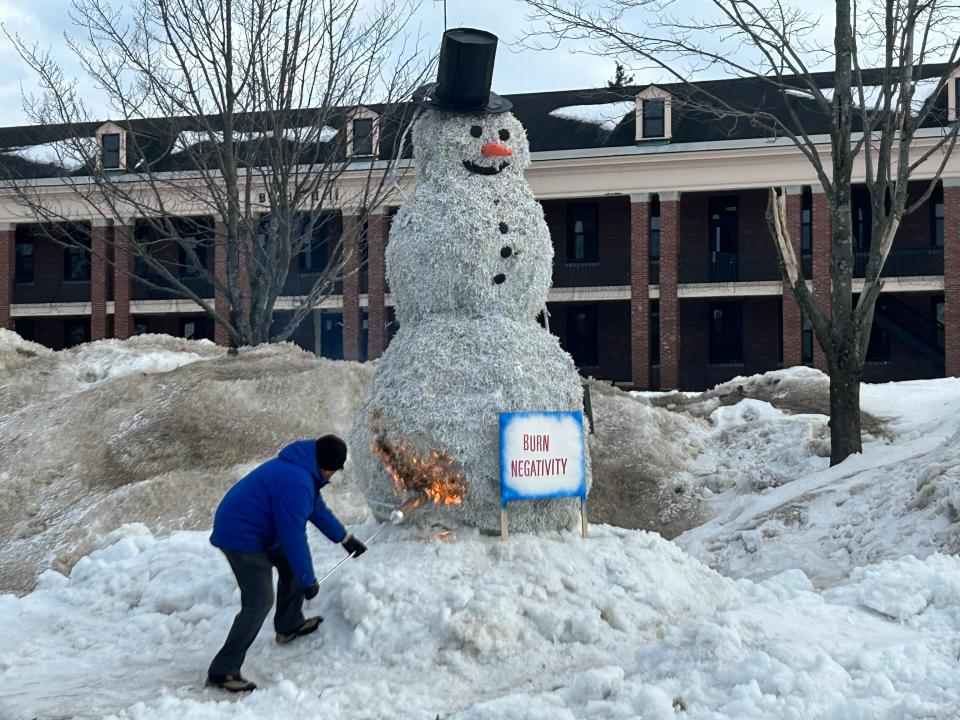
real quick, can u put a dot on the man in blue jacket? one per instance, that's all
(260, 525)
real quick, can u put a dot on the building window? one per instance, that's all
(193, 328)
(313, 256)
(363, 136)
(582, 240)
(936, 217)
(806, 222)
(140, 327)
(724, 230)
(862, 220)
(110, 151)
(24, 263)
(196, 235)
(726, 333)
(76, 331)
(582, 341)
(76, 262)
(806, 345)
(655, 230)
(653, 118)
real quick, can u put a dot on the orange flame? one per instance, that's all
(434, 477)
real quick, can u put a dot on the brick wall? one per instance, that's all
(639, 294)
(351, 289)
(7, 263)
(122, 283)
(821, 265)
(951, 277)
(98, 281)
(792, 319)
(377, 317)
(669, 304)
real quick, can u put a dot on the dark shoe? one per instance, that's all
(310, 625)
(232, 683)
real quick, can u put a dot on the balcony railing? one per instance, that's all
(200, 286)
(299, 284)
(52, 291)
(717, 267)
(594, 274)
(904, 262)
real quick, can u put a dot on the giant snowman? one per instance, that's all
(469, 262)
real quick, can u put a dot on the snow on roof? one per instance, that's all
(604, 115)
(307, 134)
(71, 155)
(872, 94)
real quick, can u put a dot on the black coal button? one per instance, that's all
(506, 252)
(499, 278)
(503, 228)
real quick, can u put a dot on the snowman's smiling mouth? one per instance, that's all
(485, 169)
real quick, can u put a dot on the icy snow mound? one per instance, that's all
(464, 627)
(776, 503)
(142, 430)
(418, 625)
(37, 373)
(642, 457)
(15, 352)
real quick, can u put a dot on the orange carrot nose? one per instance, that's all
(492, 149)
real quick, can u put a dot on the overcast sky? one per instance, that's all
(516, 70)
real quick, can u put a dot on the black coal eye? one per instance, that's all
(476, 131)
(504, 135)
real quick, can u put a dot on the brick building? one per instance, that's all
(665, 275)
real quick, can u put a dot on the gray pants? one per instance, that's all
(254, 573)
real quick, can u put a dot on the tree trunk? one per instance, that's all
(846, 373)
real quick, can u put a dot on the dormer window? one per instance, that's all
(110, 151)
(653, 114)
(653, 118)
(363, 136)
(111, 147)
(953, 97)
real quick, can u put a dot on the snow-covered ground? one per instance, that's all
(805, 591)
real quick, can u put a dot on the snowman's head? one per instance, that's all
(454, 145)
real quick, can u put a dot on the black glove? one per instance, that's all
(310, 591)
(354, 546)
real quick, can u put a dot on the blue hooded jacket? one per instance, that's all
(270, 507)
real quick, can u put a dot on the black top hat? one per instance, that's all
(465, 74)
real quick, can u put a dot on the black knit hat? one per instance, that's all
(331, 453)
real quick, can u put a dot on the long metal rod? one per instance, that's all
(396, 517)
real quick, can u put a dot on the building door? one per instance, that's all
(331, 335)
(726, 333)
(724, 238)
(582, 342)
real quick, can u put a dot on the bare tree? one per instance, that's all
(236, 116)
(883, 107)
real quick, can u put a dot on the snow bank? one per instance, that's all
(418, 626)
(777, 504)
(152, 429)
(621, 625)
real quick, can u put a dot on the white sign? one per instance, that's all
(541, 456)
